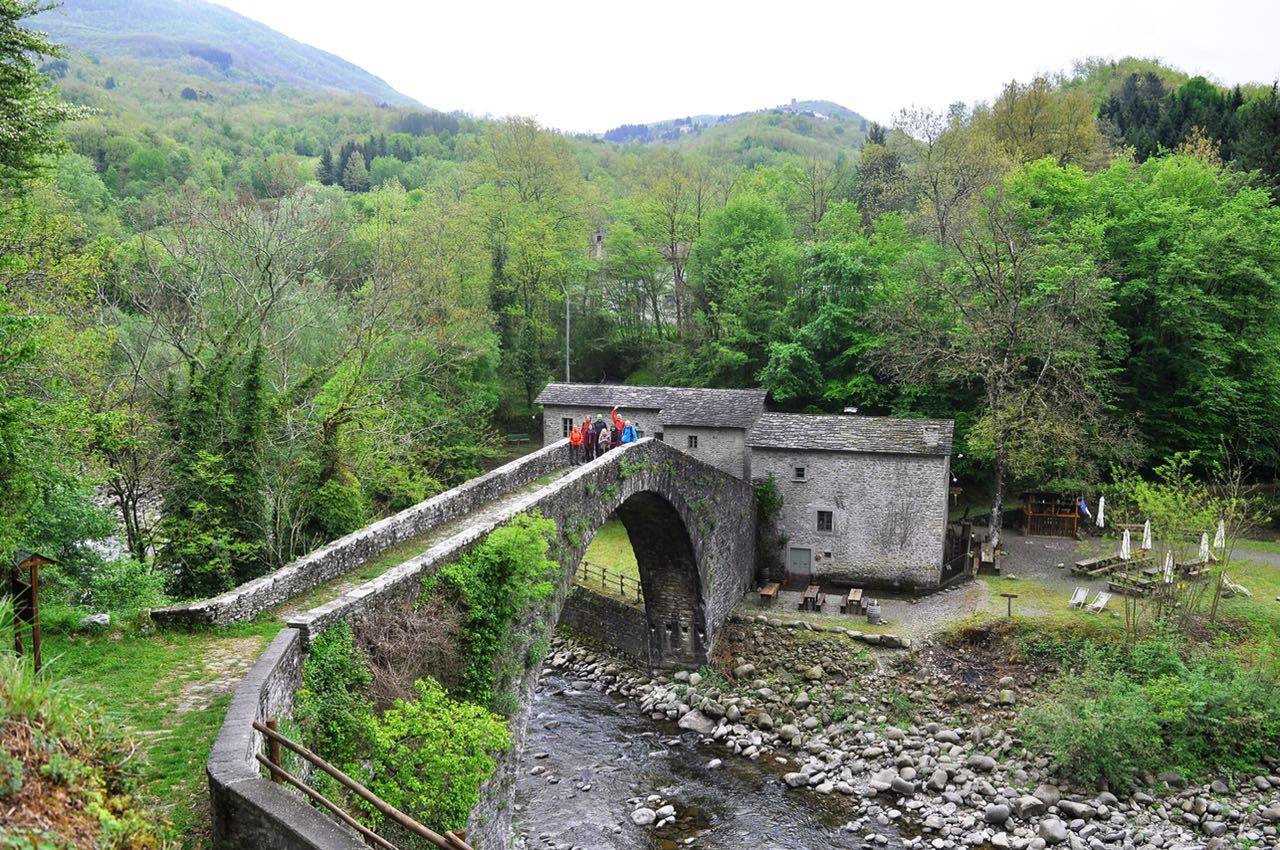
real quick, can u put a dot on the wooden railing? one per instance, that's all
(275, 766)
(593, 575)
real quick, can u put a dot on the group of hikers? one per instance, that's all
(589, 440)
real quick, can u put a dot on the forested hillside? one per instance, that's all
(808, 128)
(192, 37)
(239, 322)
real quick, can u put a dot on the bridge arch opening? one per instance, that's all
(646, 537)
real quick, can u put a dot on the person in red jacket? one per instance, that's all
(618, 424)
(575, 444)
(588, 441)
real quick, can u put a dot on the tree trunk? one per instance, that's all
(997, 502)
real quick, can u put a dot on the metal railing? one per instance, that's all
(591, 575)
(275, 766)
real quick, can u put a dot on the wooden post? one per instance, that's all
(15, 592)
(35, 614)
(1009, 597)
(273, 751)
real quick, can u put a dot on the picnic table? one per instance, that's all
(769, 593)
(813, 599)
(852, 601)
(1097, 565)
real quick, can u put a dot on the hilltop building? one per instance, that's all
(864, 497)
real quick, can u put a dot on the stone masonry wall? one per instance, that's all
(248, 810)
(890, 513)
(723, 448)
(608, 620)
(645, 420)
(347, 553)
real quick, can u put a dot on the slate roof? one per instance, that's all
(879, 434)
(711, 408)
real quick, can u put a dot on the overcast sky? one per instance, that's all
(594, 65)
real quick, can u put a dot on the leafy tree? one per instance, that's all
(1020, 310)
(743, 271)
(30, 108)
(1192, 251)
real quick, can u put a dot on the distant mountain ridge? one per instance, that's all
(807, 128)
(673, 129)
(209, 41)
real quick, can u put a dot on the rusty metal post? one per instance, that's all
(273, 751)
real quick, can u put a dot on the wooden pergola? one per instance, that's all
(1050, 513)
(24, 588)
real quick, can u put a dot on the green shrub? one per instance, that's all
(429, 756)
(333, 706)
(496, 584)
(768, 498)
(125, 586)
(337, 508)
(1146, 708)
(1099, 729)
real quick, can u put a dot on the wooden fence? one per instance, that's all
(275, 766)
(592, 575)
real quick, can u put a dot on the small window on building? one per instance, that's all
(693, 441)
(662, 438)
(800, 473)
(826, 521)
(566, 425)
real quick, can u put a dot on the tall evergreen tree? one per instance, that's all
(324, 171)
(355, 177)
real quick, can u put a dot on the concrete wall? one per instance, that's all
(723, 448)
(645, 419)
(889, 513)
(248, 810)
(347, 553)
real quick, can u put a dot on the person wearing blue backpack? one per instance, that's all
(628, 433)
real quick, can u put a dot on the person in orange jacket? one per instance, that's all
(575, 443)
(618, 424)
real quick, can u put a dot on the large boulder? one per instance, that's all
(696, 721)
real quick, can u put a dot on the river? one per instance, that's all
(587, 755)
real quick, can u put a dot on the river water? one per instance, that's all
(596, 754)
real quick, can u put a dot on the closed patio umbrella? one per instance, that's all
(1125, 552)
(1168, 566)
(1146, 535)
(1220, 538)
(1204, 547)
(1102, 506)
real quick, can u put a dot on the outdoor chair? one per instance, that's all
(1078, 597)
(1099, 602)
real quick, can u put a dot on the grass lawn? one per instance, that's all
(169, 690)
(611, 549)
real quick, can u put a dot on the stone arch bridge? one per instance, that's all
(692, 528)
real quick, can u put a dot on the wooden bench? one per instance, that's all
(513, 439)
(769, 593)
(852, 601)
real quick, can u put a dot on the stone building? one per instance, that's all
(864, 498)
(709, 424)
